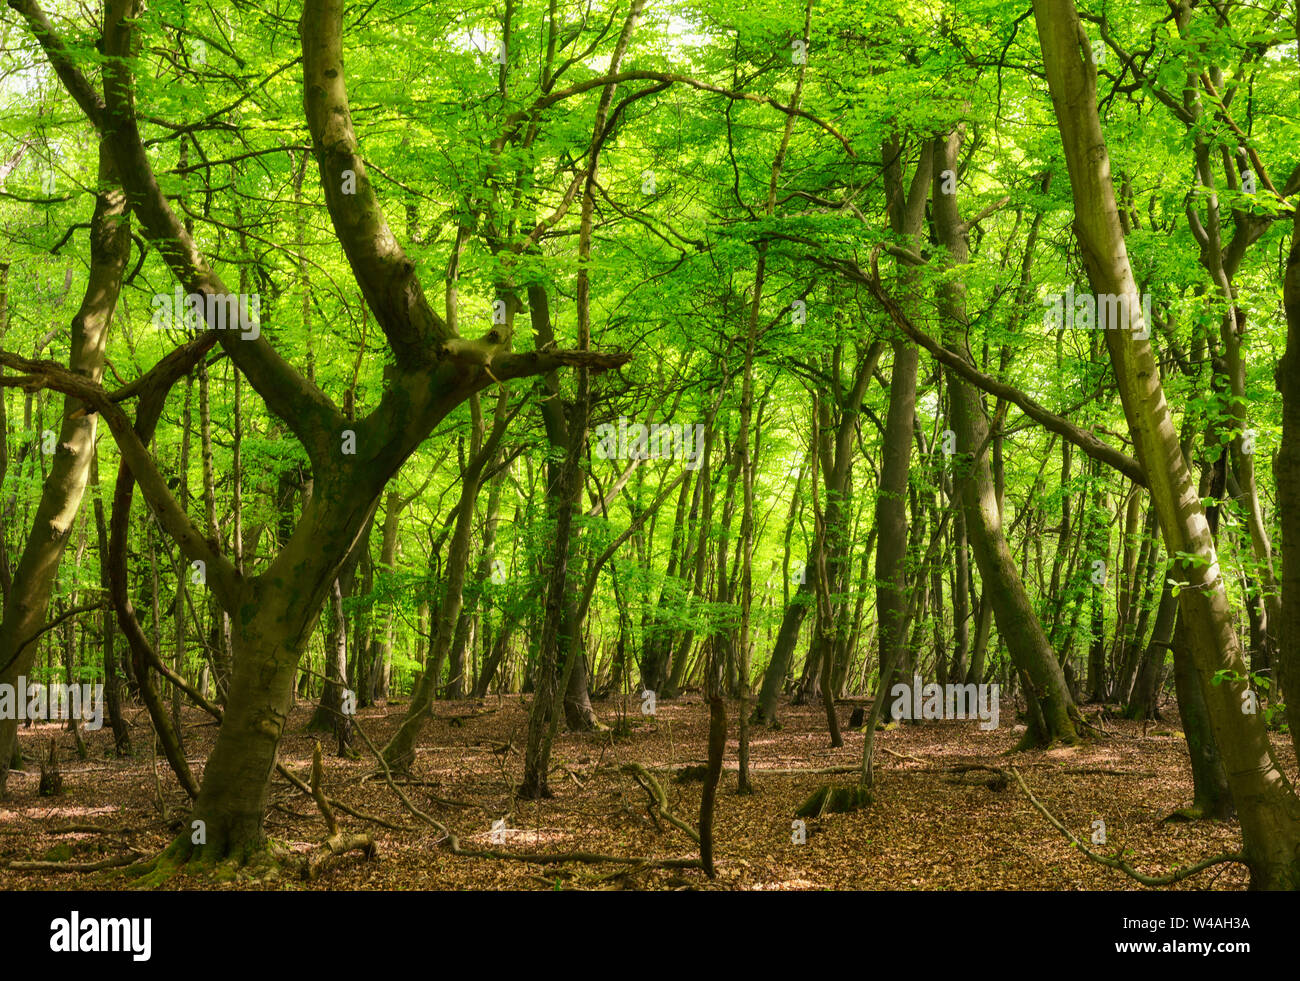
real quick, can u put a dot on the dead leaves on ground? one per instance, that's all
(940, 819)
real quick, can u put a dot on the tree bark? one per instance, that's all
(907, 218)
(1018, 624)
(28, 599)
(1286, 468)
(1269, 809)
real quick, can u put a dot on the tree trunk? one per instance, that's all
(787, 638)
(112, 680)
(400, 751)
(1018, 624)
(1143, 703)
(457, 677)
(1211, 795)
(33, 579)
(1269, 809)
(329, 715)
(1286, 468)
(907, 218)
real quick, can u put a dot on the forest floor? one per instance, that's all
(930, 827)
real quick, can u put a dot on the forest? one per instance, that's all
(650, 445)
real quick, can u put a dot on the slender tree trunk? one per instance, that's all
(112, 680)
(1143, 702)
(1139, 613)
(907, 217)
(400, 751)
(220, 631)
(182, 567)
(1018, 623)
(555, 642)
(456, 682)
(658, 636)
(28, 598)
(329, 715)
(787, 638)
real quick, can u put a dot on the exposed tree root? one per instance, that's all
(238, 862)
(334, 847)
(1193, 812)
(251, 859)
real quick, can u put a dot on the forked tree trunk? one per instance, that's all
(267, 647)
(237, 779)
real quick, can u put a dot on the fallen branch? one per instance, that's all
(588, 857)
(92, 829)
(1117, 862)
(659, 800)
(116, 861)
(337, 844)
(284, 772)
(1099, 771)
(453, 842)
(904, 756)
(791, 772)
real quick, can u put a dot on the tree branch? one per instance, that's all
(1080, 437)
(382, 269)
(221, 575)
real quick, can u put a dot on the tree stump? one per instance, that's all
(830, 799)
